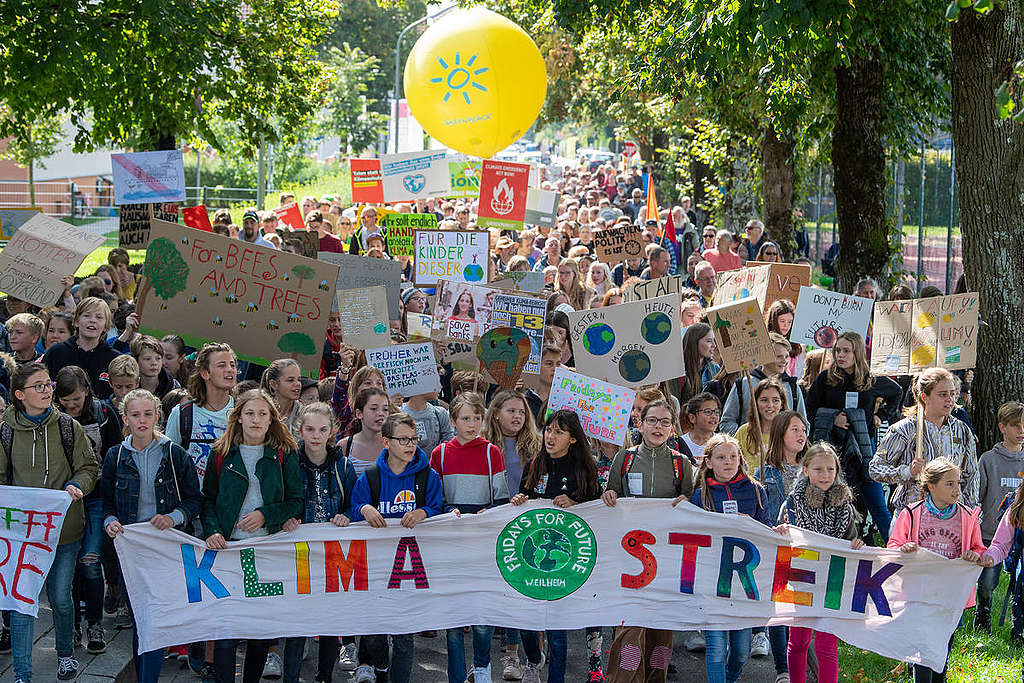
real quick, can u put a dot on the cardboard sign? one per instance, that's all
(503, 190)
(614, 245)
(289, 217)
(503, 353)
(412, 175)
(741, 335)
(195, 217)
(408, 369)
(12, 219)
(649, 289)
(400, 229)
(459, 354)
(524, 313)
(629, 344)
(207, 287)
(733, 285)
(355, 272)
(418, 326)
(821, 316)
(461, 312)
(603, 408)
(784, 281)
(520, 281)
(911, 336)
(459, 256)
(367, 184)
(308, 241)
(148, 177)
(33, 518)
(364, 317)
(134, 222)
(39, 255)
(465, 179)
(541, 207)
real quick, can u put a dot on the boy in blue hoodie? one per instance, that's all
(401, 486)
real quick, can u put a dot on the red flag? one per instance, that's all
(290, 217)
(196, 217)
(670, 229)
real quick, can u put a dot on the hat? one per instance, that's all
(504, 243)
(307, 382)
(375, 233)
(250, 213)
(408, 293)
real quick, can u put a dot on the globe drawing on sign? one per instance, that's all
(598, 339)
(634, 366)
(825, 337)
(656, 328)
(547, 550)
(473, 272)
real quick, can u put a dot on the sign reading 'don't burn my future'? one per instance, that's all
(456, 255)
(821, 316)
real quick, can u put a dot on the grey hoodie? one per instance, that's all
(1001, 472)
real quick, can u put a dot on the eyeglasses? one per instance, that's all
(710, 412)
(108, 282)
(42, 387)
(656, 422)
(406, 440)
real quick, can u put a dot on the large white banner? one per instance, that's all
(537, 567)
(30, 524)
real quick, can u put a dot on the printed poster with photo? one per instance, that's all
(524, 313)
(460, 311)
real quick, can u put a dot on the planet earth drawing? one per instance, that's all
(634, 366)
(656, 328)
(473, 273)
(598, 339)
(825, 337)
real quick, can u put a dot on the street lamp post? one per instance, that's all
(398, 64)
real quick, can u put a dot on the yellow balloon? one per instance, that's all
(475, 81)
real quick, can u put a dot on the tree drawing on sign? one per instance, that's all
(302, 272)
(166, 272)
(722, 327)
(297, 344)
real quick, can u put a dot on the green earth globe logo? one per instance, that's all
(547, 550)
(656, 328)
(598, 339)
(546, 553)
(635, 365)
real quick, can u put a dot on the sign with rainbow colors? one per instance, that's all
(603, 407)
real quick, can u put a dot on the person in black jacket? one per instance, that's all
(848, 384)
(88, 349)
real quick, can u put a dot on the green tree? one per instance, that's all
(31, 140)
(348, 109)
(303, 272)
(166, 272)
(296, 344)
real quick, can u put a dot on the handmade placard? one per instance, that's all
(524, 313)
(13, 218)
(631, 343)
(364, 317)
(503, 353)
(541, 207)
(913, 335)
(741, 334)
(821, 316)
(892, 331)
(358, 271)
(603, 407)
(400, 229)
(733, 285)
(418, 326)
(784, 281)
(148, 177)
(459, 256)
(408, 369)
(195, 217)
(520, 281)
(649, 289)
(33, 518)
(134, 222)
(613, 245)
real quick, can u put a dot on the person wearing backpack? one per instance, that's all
(403, 473)
(649, 470)
(44, 448)
(252, 487)
(147, 478)
(737, 403)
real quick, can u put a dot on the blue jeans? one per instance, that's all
(58, 591)
(725, 654)
(512, 636)
(148, 664)
(373, 651)
(482, 636)
(558, 645)
(88, 583)
(778, 638)
(874, 497)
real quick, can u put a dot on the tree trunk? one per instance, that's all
(858, 162)
(989, 157)
(778, 174)
(699, 171)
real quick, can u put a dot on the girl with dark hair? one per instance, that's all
(362, 446)
(698, 360)
(175, 362)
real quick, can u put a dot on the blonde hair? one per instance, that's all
(528, 440)
(141, 395)
(87, 304)
(123, 366)
(933, 472)
(925, 384)
(278, 434)
(577, 293)
(705, 471)
(318, 408)
(822, 448)
(30, 322)
(1011, 413)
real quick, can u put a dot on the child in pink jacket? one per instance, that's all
(943, 525)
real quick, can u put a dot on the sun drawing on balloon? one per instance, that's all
(460, 77)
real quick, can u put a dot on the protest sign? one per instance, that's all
(12, 219)
(520, 281)
(408, 369)
(649, 289)
(741, 335)
(289, 217)
(629, 344)
(306, 241)
(367, 186)
(613, 245)
(465, 179)
(459, 354)
(460, 311)
(503, 353)
(503, 189)
(364, 317)
(651, 564)
(541, 207)
(912, 335)
(603, 408)
(39, 255)
(148, 177)
(411, 175)
(784, 281)
(134, 222)
(195, 217)
(207, 287)
(891, 332)
(821, 316)
(418, 326)
(358, 271)
(733, 285)
(400, 229)
(525, 313)
(457, 255)
(32, 520)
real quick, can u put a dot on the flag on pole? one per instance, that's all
(651, 213)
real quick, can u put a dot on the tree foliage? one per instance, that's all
(348, 110)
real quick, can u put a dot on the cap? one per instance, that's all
(250, 213)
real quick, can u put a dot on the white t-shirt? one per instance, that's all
(697, 451)
(254, 495)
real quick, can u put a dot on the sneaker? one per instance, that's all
(67, 668)
(782, 678)
(96, 644)
(481, 674)
(365, 674)
(111, 599)
(759, 645)
(207, 674)
(595, 676)
(347, 661)
(531, 674)
(695, 642)
(273, 666)
(511, 669)
(178, 652)
(20, 680)
(5, 641)
(123, 618)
